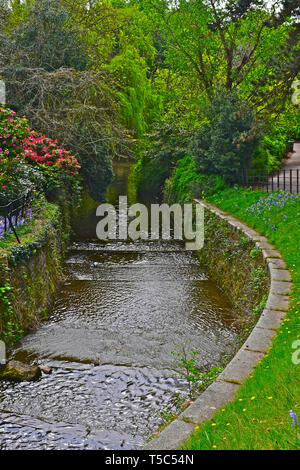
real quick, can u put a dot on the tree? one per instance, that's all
(231, 43)
(118, 41)
(227, 143)
(43, 64)
(44, 38)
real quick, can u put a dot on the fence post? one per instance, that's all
(272, 180)
(2, 93)
(23, 205)
(13, 228)
(5, 220)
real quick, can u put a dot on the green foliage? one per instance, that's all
(166, 146)
(227, 143)
(43, 38)
(101, 78)
(12, 132)
(140, 105)
(30, 161)
(44, 64)
(258, 417)
(10, 329)
(273, 147)
(196, 379)
(187, 183)
(254, 252)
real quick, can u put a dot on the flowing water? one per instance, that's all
(122, 310)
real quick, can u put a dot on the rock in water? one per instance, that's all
(19, 372)
(46, 369)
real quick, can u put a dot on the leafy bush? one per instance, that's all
(12, 131)
(50, 78)
(227, 142)
(186, 183)
(273, 147)
(29, 160)
(45, 38)
(57, 165)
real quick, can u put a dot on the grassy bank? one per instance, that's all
(29, 271)
(259, 416)
(42, 211)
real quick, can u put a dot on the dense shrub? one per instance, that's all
(28, 160)
(270, 153)
(12, 132)
(227, 142)
(273, 147)
(49, 77)
(45, 39)
(57, 165)
(187, 183)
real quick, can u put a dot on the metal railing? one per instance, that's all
(14, 213)
(285, 180)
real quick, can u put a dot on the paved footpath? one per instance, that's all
(292, 162)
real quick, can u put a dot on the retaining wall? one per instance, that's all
(223, 390)
(29, 276)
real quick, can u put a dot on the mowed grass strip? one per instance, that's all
(258, 418)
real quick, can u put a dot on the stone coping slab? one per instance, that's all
(223, 390)
(281, 287)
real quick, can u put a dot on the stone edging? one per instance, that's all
(223, 390)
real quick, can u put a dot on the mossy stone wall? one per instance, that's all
(235, 263)
(29, 276)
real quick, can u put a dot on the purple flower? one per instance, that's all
(294, 418)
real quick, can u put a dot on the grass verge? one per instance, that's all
(259, 418)
(42, 211)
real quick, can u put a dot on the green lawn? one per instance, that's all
(258, 418)
(42, 211)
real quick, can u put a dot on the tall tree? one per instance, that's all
(43, 62)
(231, 43)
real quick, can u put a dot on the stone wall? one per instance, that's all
(235, 262)
(228, 262)
(29, 276)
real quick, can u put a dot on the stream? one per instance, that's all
(122, 310)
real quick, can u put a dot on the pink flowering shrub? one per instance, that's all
(28, 159)
(12, 132)
(39, 150)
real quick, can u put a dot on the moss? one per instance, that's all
(228, 255)
(18, 372)
(29, 273)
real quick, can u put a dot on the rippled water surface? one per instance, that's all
(121, 312)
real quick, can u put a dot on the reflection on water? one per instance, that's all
(122, 311)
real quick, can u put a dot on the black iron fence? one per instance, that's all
(14, 213)
(286, 179)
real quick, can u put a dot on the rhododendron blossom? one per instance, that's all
(44, 151)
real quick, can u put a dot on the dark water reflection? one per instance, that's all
(121, 312)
